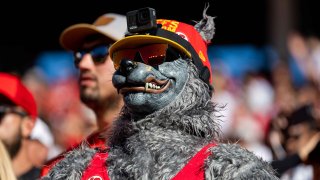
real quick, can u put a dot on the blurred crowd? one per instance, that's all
(273, 113)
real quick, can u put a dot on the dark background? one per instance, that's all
(28, 28)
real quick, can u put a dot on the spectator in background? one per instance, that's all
(252, 114)
(68, 121)
(90, 44)
(18, 115)
(305, 58)
(302, 146)
(225, 95)
(6, 170)
(285, 100)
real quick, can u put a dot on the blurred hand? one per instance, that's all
(309, 147)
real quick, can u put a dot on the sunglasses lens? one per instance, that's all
(3, 111)
(153, 54)
(22, 114)
(99, 54)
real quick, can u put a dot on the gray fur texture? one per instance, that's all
(72, 165)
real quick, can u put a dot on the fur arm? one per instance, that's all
(72, 165)
(230, 161)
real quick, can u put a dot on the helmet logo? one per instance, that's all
(181, 34)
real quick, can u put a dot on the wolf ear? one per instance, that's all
(206, 26)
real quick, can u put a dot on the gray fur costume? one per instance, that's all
(156, 135)
(160, 144)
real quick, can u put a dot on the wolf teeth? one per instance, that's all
(151, 86)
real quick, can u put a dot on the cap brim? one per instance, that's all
(139, 40)
(72, 37)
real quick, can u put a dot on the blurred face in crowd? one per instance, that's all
(298, 135)
(96, 70)
(15, 125)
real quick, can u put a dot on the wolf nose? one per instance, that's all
(126, 66)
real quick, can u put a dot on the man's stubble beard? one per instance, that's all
(90, 96)
(14, 146)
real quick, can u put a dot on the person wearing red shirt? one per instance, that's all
(90, 45)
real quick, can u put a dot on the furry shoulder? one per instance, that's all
(231, 161)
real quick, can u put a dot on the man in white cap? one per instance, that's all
(90, 44)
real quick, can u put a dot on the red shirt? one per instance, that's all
(97, 169)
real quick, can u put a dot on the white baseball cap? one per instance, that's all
(111, 25)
